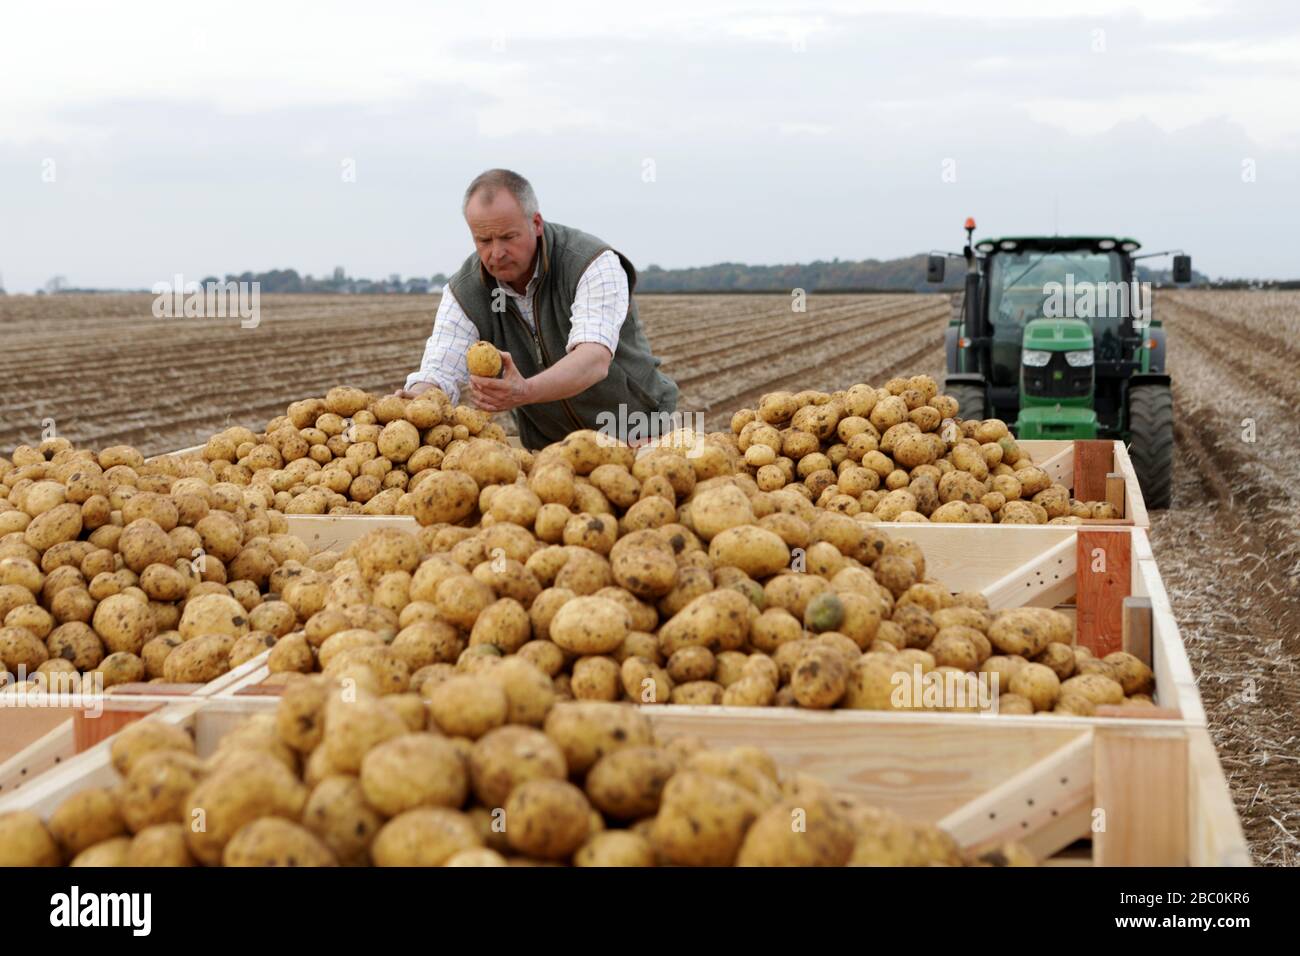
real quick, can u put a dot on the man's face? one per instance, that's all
(505, 238)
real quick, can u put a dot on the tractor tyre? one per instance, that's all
(970, 401)
(1151, 441)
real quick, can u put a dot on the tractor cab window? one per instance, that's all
(1019, 292)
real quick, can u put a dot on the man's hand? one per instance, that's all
(419, 388)
(500, 394)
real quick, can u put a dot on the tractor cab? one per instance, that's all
(1054, 335)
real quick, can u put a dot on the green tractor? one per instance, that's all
(1054, 335)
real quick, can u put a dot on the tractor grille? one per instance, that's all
(1057, 379)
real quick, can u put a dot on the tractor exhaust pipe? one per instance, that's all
(974, 305)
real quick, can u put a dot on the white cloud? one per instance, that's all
(240, 112)
(1265, 51)
(804, 129)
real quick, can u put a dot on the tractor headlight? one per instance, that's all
(1079, 359)
(1035, 358)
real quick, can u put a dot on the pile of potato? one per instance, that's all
(699, 555)
(122, 569)
(899, 453)
(342, 775)
(895, 453)
(736, 596)
(347, 453)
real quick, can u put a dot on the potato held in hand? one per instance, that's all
(484, 360)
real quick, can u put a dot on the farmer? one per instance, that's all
(558, 304)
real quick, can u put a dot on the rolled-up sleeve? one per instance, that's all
(600, 303)
(443, 363)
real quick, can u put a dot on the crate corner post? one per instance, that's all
(1104, 579)
(1141, 815)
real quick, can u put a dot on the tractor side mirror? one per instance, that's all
(1182, 268)
(934, 269)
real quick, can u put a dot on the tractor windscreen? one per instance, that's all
(1037, 283)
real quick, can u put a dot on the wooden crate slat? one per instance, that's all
(1141, 787)
(973, 557)
(1134, 505)
(48, 750)
(1103, 578)
(1175, 681)
(922, 769)
(1047, 806)
(22, 725)
(1093, 460)
(1136, 638)
(1143, 713)
(1054, 456)
(1043, 581)
(89, 728)
(88, 731)
(251, 679)
(1215, 837)
(1115, 493)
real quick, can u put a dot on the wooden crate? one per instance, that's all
(1094, 470)
(1108, 790)
(36, 739)
(1126, 793)
(1142, 787)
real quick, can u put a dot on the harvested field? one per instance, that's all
(1229, 549)
(105, 371)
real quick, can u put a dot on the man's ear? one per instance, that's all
(537, 224)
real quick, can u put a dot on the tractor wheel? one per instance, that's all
(1151, 441)
(970, 401)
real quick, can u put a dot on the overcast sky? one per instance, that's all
(142, 139)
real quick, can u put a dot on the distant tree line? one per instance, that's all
(1254, 284)
(893, 275)
(282, 281)
(1164, 278)
(868, 275)
(838, 275)
(289, 281)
